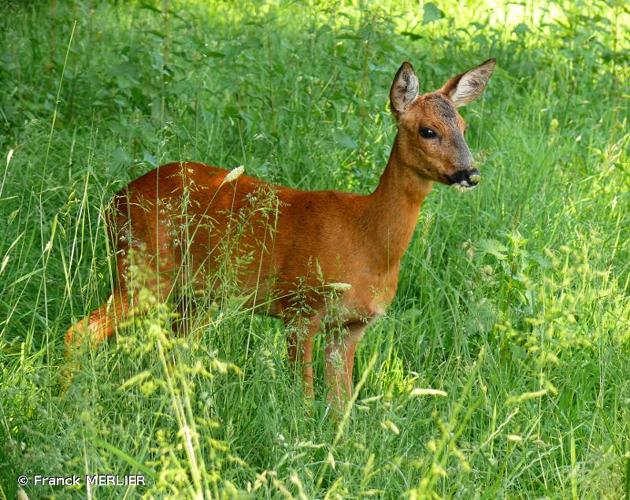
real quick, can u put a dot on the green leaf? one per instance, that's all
(493, 247)
(521, 29)
(148, 6)
(347, 142)
(413, 36)
(213, 53)
(431, 13)
(120, 157)
(126, 457)
(149, 158)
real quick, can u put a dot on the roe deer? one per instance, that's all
(350, 242)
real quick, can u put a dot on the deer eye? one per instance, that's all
(428, 133)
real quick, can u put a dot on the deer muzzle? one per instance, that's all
(466, 178)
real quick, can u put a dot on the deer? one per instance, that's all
(319, 241)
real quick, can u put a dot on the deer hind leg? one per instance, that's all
(93, 330)
(300, 348)
(103, 321)
(340, 363)
(100, 324)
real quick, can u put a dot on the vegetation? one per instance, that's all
(501, 370)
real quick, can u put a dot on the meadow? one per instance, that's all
(502, 369)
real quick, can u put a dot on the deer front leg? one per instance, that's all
(340, 363)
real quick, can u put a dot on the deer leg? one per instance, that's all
(103, 321)
(300, 348)
(100, 324)
(340, 363)
(307, 366)
(94, 329)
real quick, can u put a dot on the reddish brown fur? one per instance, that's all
(305, 241)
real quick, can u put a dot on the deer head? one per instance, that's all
(430, 138)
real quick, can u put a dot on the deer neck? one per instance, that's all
(393, 208)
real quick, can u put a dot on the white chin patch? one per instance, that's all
(464, 186)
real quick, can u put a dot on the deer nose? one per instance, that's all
(466, 177)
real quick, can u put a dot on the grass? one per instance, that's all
(513, 302)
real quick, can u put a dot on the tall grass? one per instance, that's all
(501, 370)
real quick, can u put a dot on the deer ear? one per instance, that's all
(465, 88)
(404, 89)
